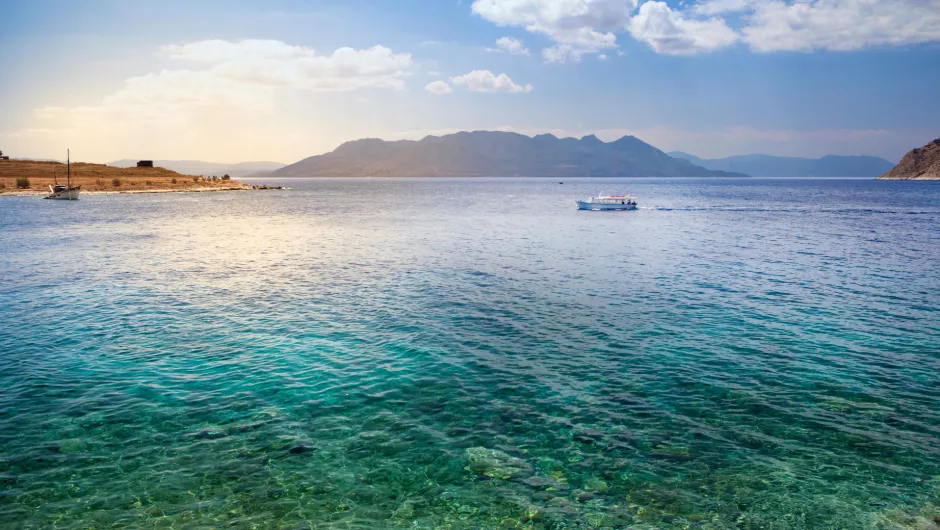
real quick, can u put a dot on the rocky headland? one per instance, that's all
(921, 163)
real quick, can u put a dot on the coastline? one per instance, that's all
(98, 178)
(43, 193)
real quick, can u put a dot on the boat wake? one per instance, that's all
(787, 210)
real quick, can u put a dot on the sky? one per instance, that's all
(280, 80)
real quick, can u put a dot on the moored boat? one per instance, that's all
(608, 202)
(64, 193)
(67, 192)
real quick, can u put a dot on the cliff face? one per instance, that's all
(922, 163)
(497, 154)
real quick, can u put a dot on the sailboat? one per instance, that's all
(67, 192)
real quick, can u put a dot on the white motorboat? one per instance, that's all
(608, 202)
(67, 192)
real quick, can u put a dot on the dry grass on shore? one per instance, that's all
(101, 178)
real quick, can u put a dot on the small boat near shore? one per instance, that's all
(63, 193)
(67, 192)
(608, 202)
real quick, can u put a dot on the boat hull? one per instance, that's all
(586, 205)
(70, 194)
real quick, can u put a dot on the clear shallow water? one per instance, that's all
(474, 354)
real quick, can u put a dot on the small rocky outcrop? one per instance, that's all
(922, 163)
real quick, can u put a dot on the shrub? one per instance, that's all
(196, 179)
(115, 182)
(3, 186)
(149, 183)
(22, 182)
(174, 180)
(226, 177)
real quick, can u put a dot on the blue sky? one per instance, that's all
(282, 80)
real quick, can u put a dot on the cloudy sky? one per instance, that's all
(233, 81)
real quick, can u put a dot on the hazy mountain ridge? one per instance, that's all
(199, 167)
(782, 166)
(496, 154)
(922, 163)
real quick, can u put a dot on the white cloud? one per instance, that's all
(715, 7)
(510, 45)
(277, 63)
(229, 89)
(241, 76)
(560, 53)
(602, 57)
(839, 25)
(667, 31)
(577, 27)
(486, 81)
(438, 88)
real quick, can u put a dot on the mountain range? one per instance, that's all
(497, 154)
(198, 167)
(780, 166)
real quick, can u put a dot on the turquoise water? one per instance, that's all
(474, 354)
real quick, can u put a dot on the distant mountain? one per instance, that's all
(922, 163)
(496, 154)
(198, 167)
(780, 166)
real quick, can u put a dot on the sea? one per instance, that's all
(474, 354)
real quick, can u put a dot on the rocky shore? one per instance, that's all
(922, 163)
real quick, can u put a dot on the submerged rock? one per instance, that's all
(595, 484)
(588, 436)
(405, 511)
(301, 448)
(538, 482)
(494, 463)
(73, 445)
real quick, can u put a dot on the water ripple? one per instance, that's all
(723, 359)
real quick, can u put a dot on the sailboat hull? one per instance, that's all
(68, 194)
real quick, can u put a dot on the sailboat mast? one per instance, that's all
(68, 166)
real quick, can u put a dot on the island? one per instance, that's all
(921, 163)
(497, 154)
(33, 177)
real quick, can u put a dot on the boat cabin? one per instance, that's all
(613, 199)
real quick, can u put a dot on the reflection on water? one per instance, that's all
(457, 354)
